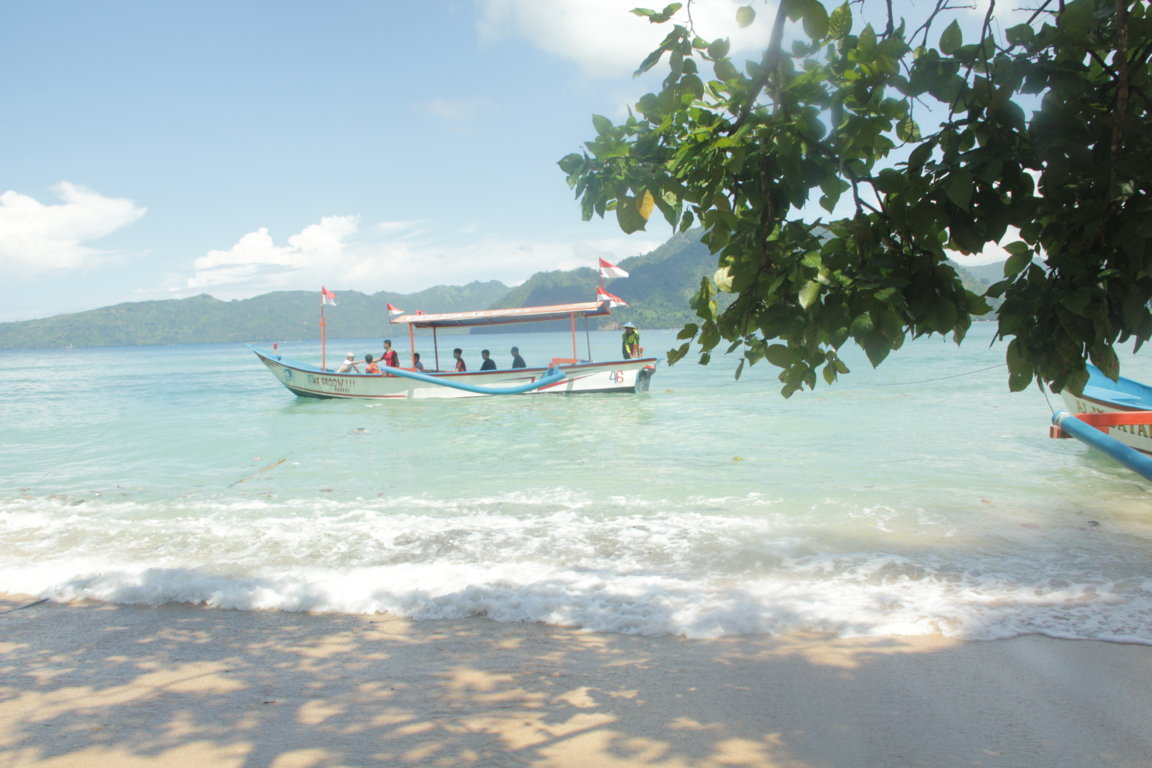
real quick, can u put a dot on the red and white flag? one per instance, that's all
(327, 297)
(394, 311)
(608, 269)
(612, 299)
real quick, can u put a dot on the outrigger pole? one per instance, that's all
(1092, 430)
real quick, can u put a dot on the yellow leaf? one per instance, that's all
(644, 204)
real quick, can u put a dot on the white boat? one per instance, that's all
(567, 375)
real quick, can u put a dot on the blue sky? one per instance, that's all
(156, 150)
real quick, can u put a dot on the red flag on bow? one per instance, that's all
(612, 299)
(327, 297)
(608, 269)
(394, 310)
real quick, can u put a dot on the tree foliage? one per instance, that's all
(833, 175)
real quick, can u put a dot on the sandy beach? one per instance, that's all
(101, 685)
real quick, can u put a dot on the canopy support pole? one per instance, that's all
(572, 318)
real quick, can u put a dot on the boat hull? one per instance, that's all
(1102, 395)
(620, 376)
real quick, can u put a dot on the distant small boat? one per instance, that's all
(1103, 396)
(562, 375)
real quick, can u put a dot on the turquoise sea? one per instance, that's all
(920, 497)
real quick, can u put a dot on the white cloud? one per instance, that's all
(38, 238)
(255, 257)
(603, 37)
(456, 111)
(396, 256)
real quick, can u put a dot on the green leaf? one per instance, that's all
(1016, 263)
(571, 163)
(745, 15)
(662, 16)
(718, 49)
(840, 22)
(958, 186)
(677, 354)
(809, 293)
(908, 130)
(816, 20)
(723, 279)
(1021, 34)
(779, 355)
(952, 39)
(628, 215)
(602, 124)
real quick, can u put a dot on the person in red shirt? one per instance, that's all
(390, 359)
(458, 354)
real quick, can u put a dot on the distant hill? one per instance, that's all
(658, 290)
(985, 274)
(275, 316)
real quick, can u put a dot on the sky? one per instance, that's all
(159, 150)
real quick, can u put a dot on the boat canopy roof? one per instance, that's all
(504, 316)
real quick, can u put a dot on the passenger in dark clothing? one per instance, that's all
(517, 361)
(489, 364)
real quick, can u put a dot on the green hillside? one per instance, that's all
(270, 317)
(658, 289)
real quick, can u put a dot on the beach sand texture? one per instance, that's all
(177, 685)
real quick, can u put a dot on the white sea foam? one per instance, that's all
(643, 571)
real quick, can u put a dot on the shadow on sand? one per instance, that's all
(96, 685)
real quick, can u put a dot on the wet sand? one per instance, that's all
(96, 685)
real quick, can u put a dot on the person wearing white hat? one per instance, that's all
(630, 342)
(349, 364)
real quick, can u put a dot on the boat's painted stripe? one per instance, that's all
(553, 376)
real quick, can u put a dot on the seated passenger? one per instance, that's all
(416, 361)
(517, 361)
(489, 364)
(369, 366)
(349, 364)
(458, 354)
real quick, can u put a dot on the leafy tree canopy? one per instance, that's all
(833, 176)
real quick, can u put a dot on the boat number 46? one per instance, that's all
(616, 376)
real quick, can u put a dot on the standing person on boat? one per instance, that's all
(458, 354)
(489, 364)
(349, 364)
(390, 357)
(630, 342)
(369, 366)
(517, 361)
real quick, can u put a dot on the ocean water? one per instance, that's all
(921, 497)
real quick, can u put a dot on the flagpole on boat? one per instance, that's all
(325, 296)
(323, 339)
